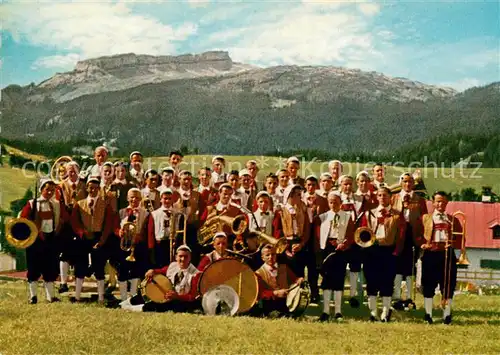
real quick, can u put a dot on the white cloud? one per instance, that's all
(369, 8)
(198, 3)
(463, 84)
(67, 61)
(91, 29)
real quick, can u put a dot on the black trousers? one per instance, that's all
(380, 270)
(161, 253)
(312, 270)
(296, 263)
(98, 256)
(354, 257)
(67, 244)
(407, 260)
(273, 305)
(433, 273)
(172, 306)
(42, 258)
(333, 269)
(128, 270)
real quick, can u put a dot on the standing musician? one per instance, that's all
(132, 271)
(274, 281)
(270, 185)
(325, 185)
(160, 228)
(92, 221)
(184, 278)
(107, 178)
(42, 256)
(439, 263)
(253, 169)
(334, 230)
(168, 179)
(100, 156)
(262, 219)
(218, 175)
(412, 208)
(68, 192)
(354, 258)
(335, 167)
(378, 176)
(208, 193)
(315, 205)
(380, 258)
(150, 194)
(238, 197)
(219, 252)
(192, 205)
(283, 179)
(175, 159)
(293, 166)
(136, 171)
(121, 185)
(246, 188)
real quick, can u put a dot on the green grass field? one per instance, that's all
(65, 328)
(13, 183)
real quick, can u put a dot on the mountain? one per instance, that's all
(209, 103)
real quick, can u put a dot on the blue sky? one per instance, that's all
(445, 43)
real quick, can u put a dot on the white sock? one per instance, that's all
(447, 309)
(428, 303)
(133, 286)
(100, 289)
(386, 304)
(49, 290)
(78, 288)
(33, 286)
(137, 308)
(353, 281)
(338, 301)
(372, 305)
(123, 290)
(64, 268)
(409, 286)
(397, 287)
(327, 295)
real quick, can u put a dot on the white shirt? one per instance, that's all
(292, 211)
(402, 195)
(265, 222)
(438, 218)
(162, 188)
(335, 230)
(138, 175)
(217, 178)
(202, 188)
(272, 271)
(186, 275)
(380, 232)
(159, 218)
(219, 206)
(146, 192)
(240, 197)
(43, 205)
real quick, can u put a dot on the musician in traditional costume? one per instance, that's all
(412, 208)
(136, 171)
(175, 159)
(121, 185)
(68, 192)
(167, 180)
(92, 221)
(192, 205)
(315, 205)
(293, 167)
(364, 197)
(218, 175)
(246, 188)
(208, 193)
(271, 185)
(239, 196)
(262, 220)
(378, 180)
(253, 170)
(439, 250)
(220, 243)
(354, 254)
(150, 193)
(380, 258)
(160, 228)
(107, 178)
(283, 180)
(335, 168)
(325, 185)
(183, 277)
(101, 156)
(42, 256)
(334, 230)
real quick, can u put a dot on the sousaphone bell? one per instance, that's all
(21, 233)
(364, 237)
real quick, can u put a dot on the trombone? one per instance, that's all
(448, 260)
(178, 232)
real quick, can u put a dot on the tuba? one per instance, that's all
(21, 233)
(216, 224)
(364, 237)
(58, 169)
(127, 240)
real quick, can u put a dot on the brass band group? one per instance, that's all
(239, 243)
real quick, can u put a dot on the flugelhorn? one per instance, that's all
(59, 167)
(127, 240)
(364, 237)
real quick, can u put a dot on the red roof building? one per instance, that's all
(482, 222)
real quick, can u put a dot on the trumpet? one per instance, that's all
(127, 240)
(364, 237)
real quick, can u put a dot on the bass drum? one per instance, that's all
(298, 298)
(233, 273)
(155, 289)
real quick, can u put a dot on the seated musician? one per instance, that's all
(274, 281)
(128, 270)
(184, 278)
(335, 232)
(42, 256)
(437, 233)
(220, 246)
(380, 258)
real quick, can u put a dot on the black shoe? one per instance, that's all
(74, 300)
(373, 319)
(324, 317)
(339, 317)
(410, 305)
(428, 318)
(447, 320)
(33, 300)
(387, 318)
(54, 299)
(63, 288)
(399, 305)
(354, 302)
